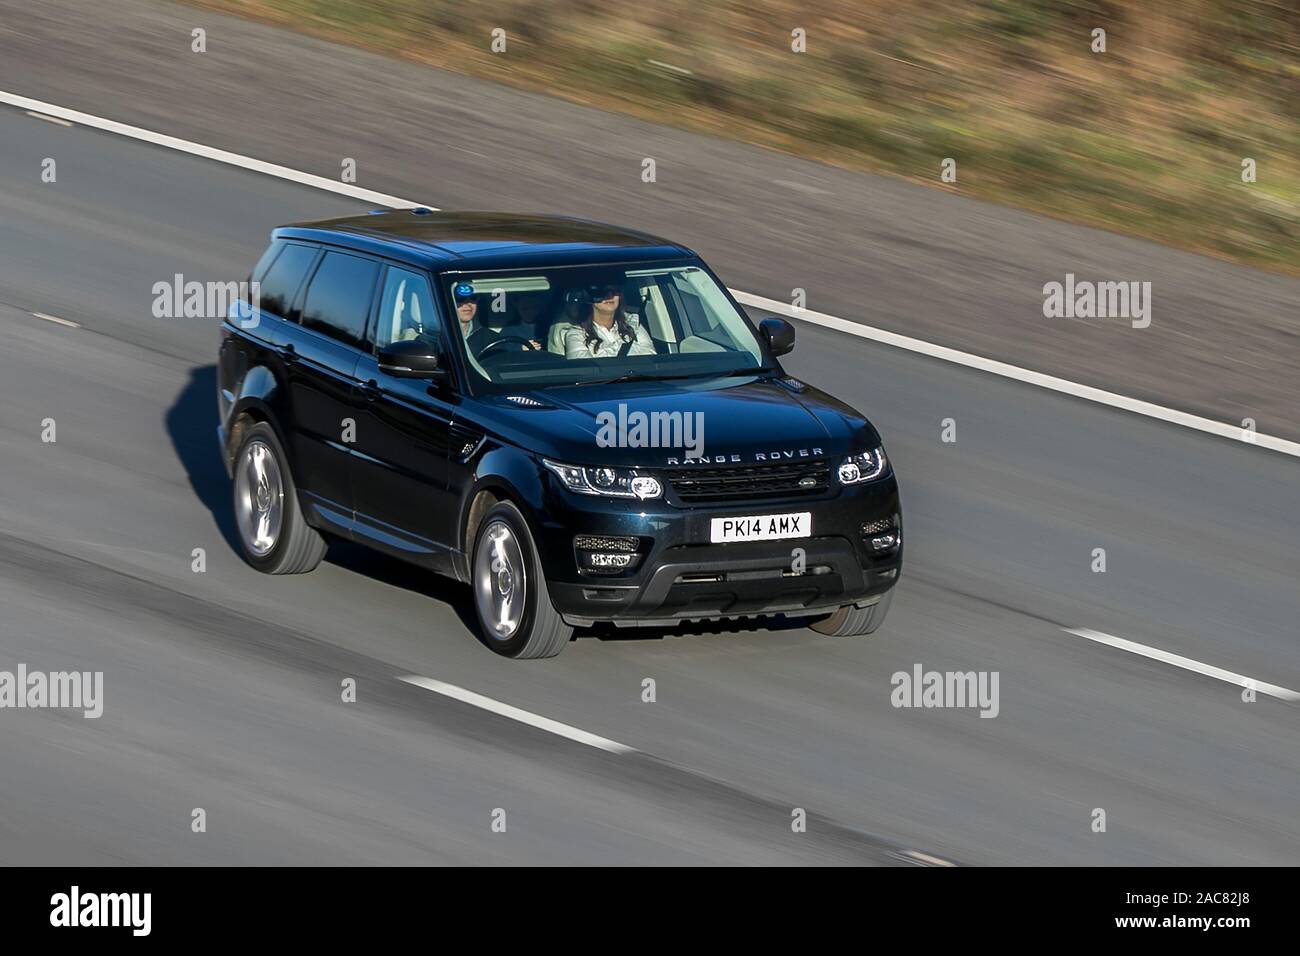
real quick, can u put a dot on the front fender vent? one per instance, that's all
(465, 441)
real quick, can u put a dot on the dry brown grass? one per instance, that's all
(1147, 138)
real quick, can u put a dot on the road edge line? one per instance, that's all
(1186, 663)
(517, 714)
(919, 346)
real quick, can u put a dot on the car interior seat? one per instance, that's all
(565, 320)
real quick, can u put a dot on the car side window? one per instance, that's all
(268, 257)
(338, 297)
(406, 309)
(282, 280)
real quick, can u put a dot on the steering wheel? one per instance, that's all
(504, 340)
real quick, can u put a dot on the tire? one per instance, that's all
(274, 537)
(504, 562)
(853, 621)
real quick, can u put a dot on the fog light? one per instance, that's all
(606, 553)
(884, 542)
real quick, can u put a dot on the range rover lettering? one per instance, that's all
(576, 420)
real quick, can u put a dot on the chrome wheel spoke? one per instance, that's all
(499, 580)
(506, 626)
(263, 537)
(259, 498)
(258, 458)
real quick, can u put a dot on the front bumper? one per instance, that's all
(680, 575)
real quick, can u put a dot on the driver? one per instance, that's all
(603, 329)
(466, 308)
(519, 329)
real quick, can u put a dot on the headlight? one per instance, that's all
(610, 482)
(863, 466)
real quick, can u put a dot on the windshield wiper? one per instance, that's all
(631, 377)
(643, 377)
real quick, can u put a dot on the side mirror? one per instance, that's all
(410, 359)
(779, 334)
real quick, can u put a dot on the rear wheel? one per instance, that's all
(273, 535)
(515, 614)
(853, 621)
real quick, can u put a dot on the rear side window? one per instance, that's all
(284, 277)
(338, 299)
(264, 263)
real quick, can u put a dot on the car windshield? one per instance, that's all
(580, 325)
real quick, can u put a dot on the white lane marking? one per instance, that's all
(207, 152)
(1273, 690)
(515, 713)
(58, 321)
(1050, 382)
(925, 859)
(49, 119)
(943, 353)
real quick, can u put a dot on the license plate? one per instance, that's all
(761, 527)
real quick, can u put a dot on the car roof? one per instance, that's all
(485, 240)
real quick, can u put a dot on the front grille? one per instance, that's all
(776, 479)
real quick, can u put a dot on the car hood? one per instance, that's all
(694, 422)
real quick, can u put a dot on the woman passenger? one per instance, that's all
(603, 331)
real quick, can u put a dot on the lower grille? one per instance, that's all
(778, 479)
(879, 525)
(595, 542)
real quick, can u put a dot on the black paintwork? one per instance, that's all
(425, 449)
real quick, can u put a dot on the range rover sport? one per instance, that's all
(576, 420)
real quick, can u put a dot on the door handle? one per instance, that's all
(371, 391)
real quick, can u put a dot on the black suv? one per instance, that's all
(577, 420)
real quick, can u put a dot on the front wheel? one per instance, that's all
(853, 621)
(515, 614)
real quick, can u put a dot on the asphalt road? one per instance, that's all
(222, 688)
